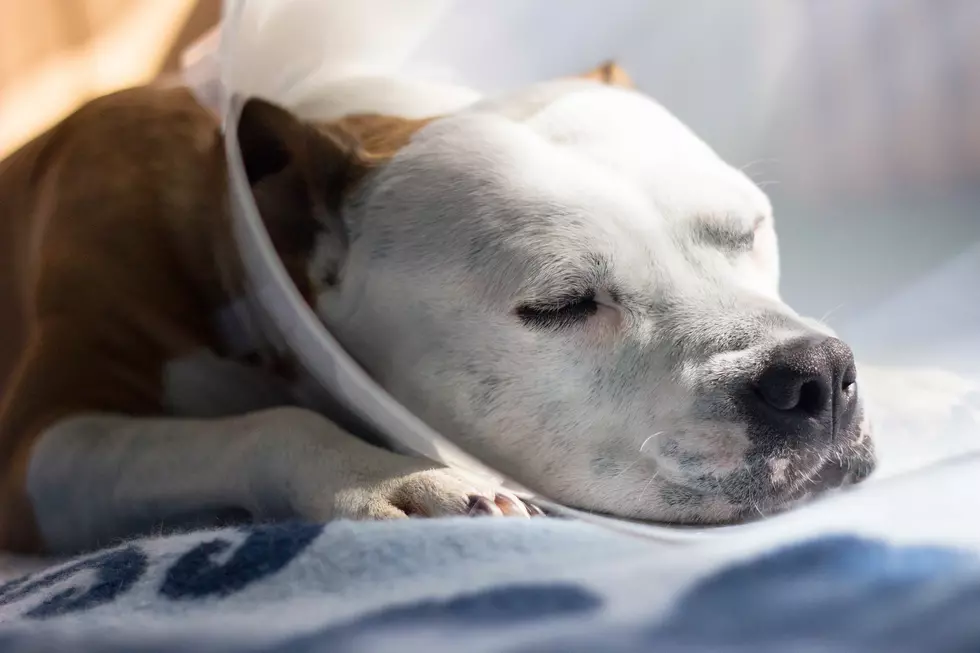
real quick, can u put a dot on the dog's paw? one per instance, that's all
(432, 493)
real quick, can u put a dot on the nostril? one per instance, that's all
(779, 389)
(787, 392)
(813, 397)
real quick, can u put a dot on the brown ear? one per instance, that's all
(301, 173)
(610, 73)
(273, 141)
(299, 176)
(378, 137)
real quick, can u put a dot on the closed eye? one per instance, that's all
(560, 312)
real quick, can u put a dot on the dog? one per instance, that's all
(565, 281)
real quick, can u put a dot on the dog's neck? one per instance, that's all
(254, 370)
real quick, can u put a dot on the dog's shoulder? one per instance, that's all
(114, 215)
(130, 181)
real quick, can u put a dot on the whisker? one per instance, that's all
(650, 437)
(626, 469)
(646, 488)
(826, 316)
(756, 162)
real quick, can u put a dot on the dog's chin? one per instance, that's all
(749, 495)
(832, 474)
(766, 482)
(756, 492)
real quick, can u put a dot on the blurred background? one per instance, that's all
(55, 54)
(858, 117)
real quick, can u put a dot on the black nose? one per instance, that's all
(808, 388)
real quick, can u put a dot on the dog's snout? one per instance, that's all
(807, 388)
(807, 376)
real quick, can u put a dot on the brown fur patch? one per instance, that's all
(118, 210)
(378, 137)
(610, 73)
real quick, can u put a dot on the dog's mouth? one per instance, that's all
(763, 487)
(766, 497)
(767, 483)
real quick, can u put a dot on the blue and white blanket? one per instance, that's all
(894, 566)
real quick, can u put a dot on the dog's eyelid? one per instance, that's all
(558, 311)
(557, 298)
(549, 287)
(565, 283)
(549, 294)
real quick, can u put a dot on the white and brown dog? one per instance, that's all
(564, 281)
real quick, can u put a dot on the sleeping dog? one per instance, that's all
(565, 281)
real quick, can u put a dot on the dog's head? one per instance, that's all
(573, 287)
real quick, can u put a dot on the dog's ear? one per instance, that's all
(610, 73)
(299, 176)
(378, 137)
(302, 172)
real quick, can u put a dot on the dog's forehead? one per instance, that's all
(610, 144)
(635, 138)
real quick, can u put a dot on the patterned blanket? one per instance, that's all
(893, 566)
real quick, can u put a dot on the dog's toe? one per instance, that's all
(502, 505)
(480, 506)
(534, 511)
(446, 493)
(512, 506)
(436, 493)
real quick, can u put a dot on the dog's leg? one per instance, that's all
(93, 479)
(88, 459)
